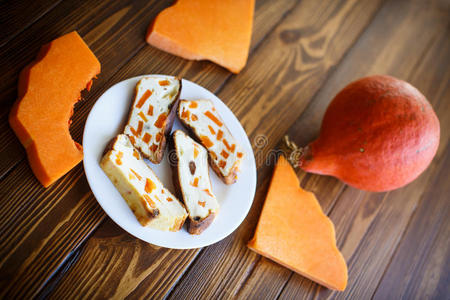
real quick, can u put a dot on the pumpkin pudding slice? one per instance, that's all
(204, 122)
(153, 205)
(293, 231)
(152, 114)
(190, 173)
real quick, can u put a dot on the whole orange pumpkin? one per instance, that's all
(378, 134)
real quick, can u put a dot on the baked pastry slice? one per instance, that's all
(152, 114)
(153, 205)
(203, 121)
(190, 173)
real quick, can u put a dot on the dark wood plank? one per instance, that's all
(291, 69)
(127, 265)
(210, 76)
(149, 279)
(104, 38)
(114, 31)
(371, 239)
(99, 23)
(37, 233)
(361, 211)
(419, 269)
(35, 206)
(370, 226)
(11, 151)
(422, 60)
(65, 283)
(16, 16)
(148, 60)
(88, 262)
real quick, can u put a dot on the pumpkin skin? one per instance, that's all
(378, 134)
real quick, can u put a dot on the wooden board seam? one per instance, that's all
(182, 274)
(12, 168)
(249, 274)
(284, 285)
(53, 280)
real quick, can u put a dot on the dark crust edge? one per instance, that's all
(232, 177)
(197, 227)
(193, 226)
(167, 127)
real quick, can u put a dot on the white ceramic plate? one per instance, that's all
(107, 118)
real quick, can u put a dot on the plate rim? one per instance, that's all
(250, 155)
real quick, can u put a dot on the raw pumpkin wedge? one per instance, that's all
(217, 30)
(293, 231)
(48, 89)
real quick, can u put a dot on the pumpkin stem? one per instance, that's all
(293, 153)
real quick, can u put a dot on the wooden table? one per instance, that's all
(58, 242)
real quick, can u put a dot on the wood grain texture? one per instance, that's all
(370, 225)
(290, 76)
(419, 268)
(138, 58)
(372, 238)
(148, 60)
(16, 16)
(11, 151)
(128, 266)
(403, 56)
(104, 38)
(104, 27)
(37, 233)
(264, 271)
(37, 209)
(392, 241)
(99, 18)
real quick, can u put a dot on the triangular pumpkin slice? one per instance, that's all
(293, 231)
(48, 89)
(217, 30)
